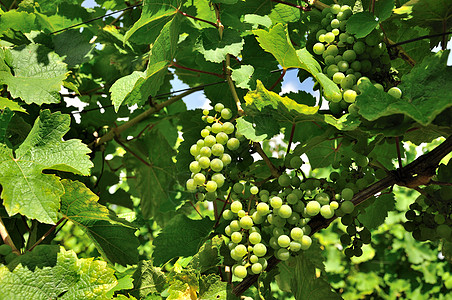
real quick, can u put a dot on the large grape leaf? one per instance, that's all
(17, 21)
(180, 231)
(26, 190)
(46, 273)
(154, 174)
(277, 42)
(427, 91)
(36, 74)
(361, 24)
(113, 237)
(214, 48)
(138, 86)
(155, 14)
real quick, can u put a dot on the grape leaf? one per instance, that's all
(36, 74)
(12, 105)
(5, 117)
(375, 214)
(215, 48)
(49, 274)
(248, 130)
(180, 231)
(122, 89)
(243, 76)
(74, 46)
(212, 287)
(361, 24)
(155, 14)
(26, 190)
(426, 93)
(283, 13)
(17, 21)
(383, 9)
(113, 237)
(147, 279)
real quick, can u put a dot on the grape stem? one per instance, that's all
(7, 238)
(392, 44)
(46, 234)
(292, 131)
(228, 71)
(399, 155)
(284, 70)
(176, 65)
(417, 172)
(273, 170)
(223, 208)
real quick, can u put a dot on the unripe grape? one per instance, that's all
(246, 222)
(256, 268)
(318, 48)
(219, 179)
(326, 212)
(217, 149)
(306, 242)
(226, 113)
(254, 190)
(284, 180)
(228, 214)
(312, 208)
(199, 179)
(210, 119)
(205, 112)
(295, 246)
(191, 185)
(194, 167)
(329, 37)
(236, 206)
(379, 86)
(241, 213)
(334, 205)
(211, 186)
(350, 96)
(395, 92)
(241, 250)
(332, 50)
(285, 211)
(205, 132)
(322, 198)
(283, 241)
(209, 140)
(226, 159)
(233, 144)
(347, 194)
(444, 231)
(283, 254)
(296, 162)
(216, 165)
(240, 271)
(205, 151)
(259, 249)
(236, 237)
(276, 202)
(228, 127)
(254, 238)
(217, 127)
(349, 55)
(238, 187)
(194, 150)
(296, 233)
(221, 138)
(218, 107)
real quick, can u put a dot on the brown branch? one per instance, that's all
(318, 4)
(176, 65)
(144, 115)
(47, 234)
(399, 155)
(7, 238)
(407, 176)
(420, 38)
(195, 18)
(284, 70)
(132, 152)
(292, 131)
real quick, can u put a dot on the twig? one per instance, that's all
(399, 155)
(224, 207)
(195, 209)
(240, 110)
(284, 70)
(132, 152)
(195, 18)
(176, 65)
(419, 38)
(292, 131)
(7, 238)
(47, 234)
(118, 130)
(273, 170)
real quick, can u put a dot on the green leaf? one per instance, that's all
(113, 237)
(180, 231)
(123, 87)
(257, 20)
(248, 130)
(17, 21)
(212, 287)
(277, 42)
(147, 279)
(361, 24)
(26, 190)
(215, 49)
(426, 93)
(155, 14)
(5, 117)
(243, 76)
(225, 1)
(383, 9)
(346, 122)
(155, 175)
(12, 105)
(74, 46)
(283, 13)
(45, 274)
(375, 214)
(208, 256)
(36, 74)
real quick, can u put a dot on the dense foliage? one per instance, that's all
(340, 191)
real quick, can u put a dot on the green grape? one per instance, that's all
(321, 38)
(331, 70)
(379, 86)
(190, 185)
(292, 198)
(336, 32)
(257, 218)
(221, 138)
(326, 211)
(256, 268)
(205, 132)
(209, 141)
(278, 221)
(241, 213)
(395, 92)
(347, 83)
(343, 66)
(217, 149)
(296, 162)
(263, 208)
(216, 165)
(259, 249)
(254, 238)
(295, 246)
(218, 107)
(296, 233)
(318, 48)
(295, 181)
(199, 179)
(194, 167)
(439, 219)
(347, 194)
(236, 206)
(282, 254)
(373, 38)
(246, 222)
(226, 159)
(205, 151)
(240, 271)
(226, 113)
(235, 225)
(228, 214)
(332, 50)
(219, 179)
(338, 77)
(276, 202)
(294, 218)
(349, 252)
(305, 242)
(334, 205)
(284, 180)
(347, 219)
(283, 241)
(329, 60)
(228, 127)
(238, 187)
(205, 112)
(211, 186)
(322, 198)
(329, 37)
(335, 23)
(312, 208)
(194, 150)
(233, 144)
(236, 237)
(444, 231)
(365, 236)
(210, 119)
(241, 250)
(321, 31)
(273, 242)
(351, 229)
(357, 252)
(285, 211)
(349, 55)
(5, 250)
(254, 190)
(345, 239)
(228, 229)
(306, 229)
(217, 127)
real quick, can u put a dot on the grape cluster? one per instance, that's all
(209, 153)
(348, 60)
(429, 217)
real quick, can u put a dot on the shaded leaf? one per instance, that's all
(12, 105)
(361, 24)
(375, 214)
(247, 129)
(147, 279)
